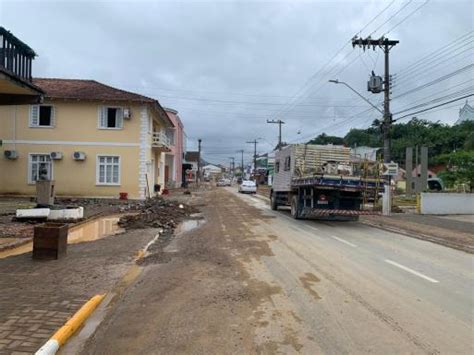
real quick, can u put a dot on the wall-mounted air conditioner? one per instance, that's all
(10, 154)
(127, 113)
(56, 155)
(79, 156)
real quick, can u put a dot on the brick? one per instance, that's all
(18, 337)
(14, 344)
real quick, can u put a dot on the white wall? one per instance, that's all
(447, 203)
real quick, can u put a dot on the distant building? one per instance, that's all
(466, 113)
(174, 159)
(191, 158)
(364, 153)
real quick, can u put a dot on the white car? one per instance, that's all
(224, 182)
(248, 186)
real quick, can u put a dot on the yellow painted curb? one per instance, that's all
(73, 324)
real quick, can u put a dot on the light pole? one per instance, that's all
(353, 90)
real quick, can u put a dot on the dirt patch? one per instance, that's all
(196, 286)
(308, 280)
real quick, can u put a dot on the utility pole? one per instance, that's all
(279, 123)
(386, 45)
(198, 177)
(232, 166)
(241, 151)
(254, 142)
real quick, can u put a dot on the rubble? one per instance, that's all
(157, 212)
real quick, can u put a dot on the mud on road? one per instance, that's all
(195, 294)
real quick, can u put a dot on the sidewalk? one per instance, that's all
(37, 297)
(453, 232)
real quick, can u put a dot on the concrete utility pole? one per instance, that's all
(279, 122)
(241, 151)
(386, 45)
(198, 177)
(254, 142)
(232, 166)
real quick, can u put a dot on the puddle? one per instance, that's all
(95, 229)
(188, 225)
(85, 232)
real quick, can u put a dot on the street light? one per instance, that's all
(352, 89)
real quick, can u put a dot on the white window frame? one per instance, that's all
(30, 116)
(30, 170)
(97, 170)
(103, 110)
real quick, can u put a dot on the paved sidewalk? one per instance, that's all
(37, 297)
(437, 229)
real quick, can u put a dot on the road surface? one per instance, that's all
(252, 280)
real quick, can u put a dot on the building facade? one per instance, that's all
(174, 158)
(93, 140)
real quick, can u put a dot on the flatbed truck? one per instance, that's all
(321, 182)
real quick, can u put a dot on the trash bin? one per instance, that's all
(50, 241)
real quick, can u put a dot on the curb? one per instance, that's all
(72, 325)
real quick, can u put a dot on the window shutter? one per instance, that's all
(53, 116)
(102, 117)
(119, 118)
(34, 115)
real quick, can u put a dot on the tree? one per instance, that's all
(460, 168)
(323, 138)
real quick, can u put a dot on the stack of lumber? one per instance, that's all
(313, 159)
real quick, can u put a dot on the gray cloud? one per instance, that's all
(259, 52)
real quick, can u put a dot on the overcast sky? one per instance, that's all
(227, 66)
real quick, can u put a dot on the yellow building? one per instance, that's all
(93, 140)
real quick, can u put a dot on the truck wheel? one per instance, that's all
(295, 208)
(273, 201)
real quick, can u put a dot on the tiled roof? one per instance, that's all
(191, 156)
(86, 90)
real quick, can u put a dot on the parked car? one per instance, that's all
(248, 186)
(224, 182)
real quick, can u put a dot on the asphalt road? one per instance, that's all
(255, 281)
(378, 290)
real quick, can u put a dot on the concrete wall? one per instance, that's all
(447, 203)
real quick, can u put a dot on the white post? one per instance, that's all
(386, 201)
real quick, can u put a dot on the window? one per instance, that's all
(108, 170)
(41, 116)
(110, 117)
(277, 166)
(287, 163)
(39, 167)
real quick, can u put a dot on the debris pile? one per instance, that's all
(157, 213)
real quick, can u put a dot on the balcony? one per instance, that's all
(160, 141)
(16, 86)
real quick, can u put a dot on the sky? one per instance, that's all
(228, 66)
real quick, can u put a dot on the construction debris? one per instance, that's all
(157, 212)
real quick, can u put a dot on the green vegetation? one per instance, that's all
(459, 168)
(450, 146)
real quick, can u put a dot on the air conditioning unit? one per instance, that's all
(127, 113)
(56, 155)
(79, 156)
(10, 154)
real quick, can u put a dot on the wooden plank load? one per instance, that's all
(314, 159)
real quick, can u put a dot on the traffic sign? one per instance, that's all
(390, 169)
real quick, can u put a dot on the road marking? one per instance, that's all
(419, 274)
(344, 241)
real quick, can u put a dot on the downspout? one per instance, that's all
(14, 127)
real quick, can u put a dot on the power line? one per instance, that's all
(406, 17)
(430, 108)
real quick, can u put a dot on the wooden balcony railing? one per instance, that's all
(15, 56)
(160, 140)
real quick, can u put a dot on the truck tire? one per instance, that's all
(273, 201)
(295, 208)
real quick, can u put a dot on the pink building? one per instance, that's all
(174, 158)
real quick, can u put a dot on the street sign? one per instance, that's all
(390, 169)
